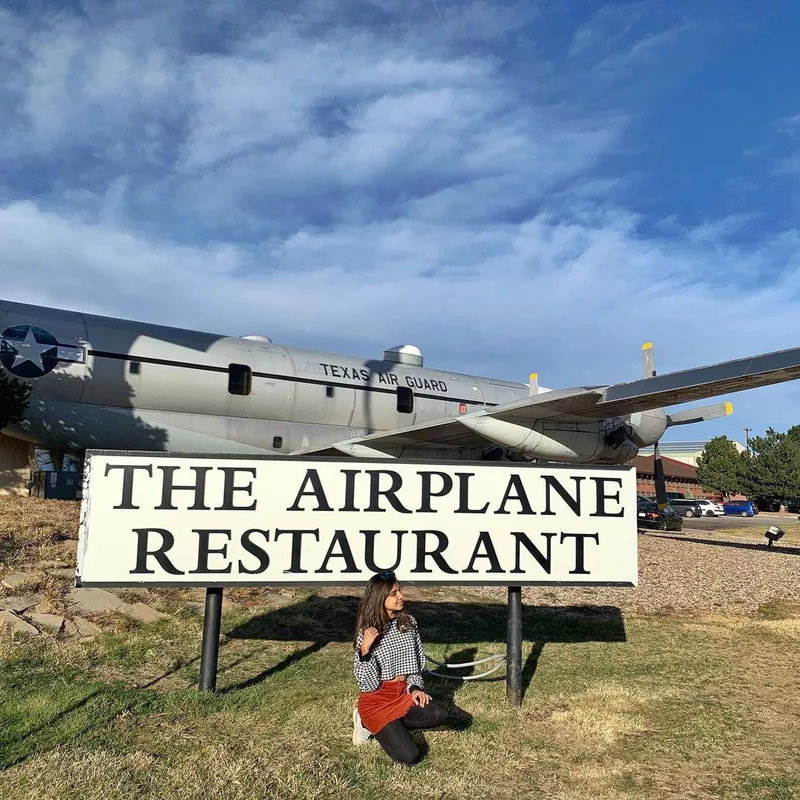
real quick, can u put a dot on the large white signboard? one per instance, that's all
(201, 520)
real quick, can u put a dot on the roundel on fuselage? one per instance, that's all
(28, 352)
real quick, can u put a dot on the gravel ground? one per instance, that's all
(696, 573)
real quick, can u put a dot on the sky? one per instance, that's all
(510, 186)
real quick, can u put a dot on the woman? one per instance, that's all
(388, 664)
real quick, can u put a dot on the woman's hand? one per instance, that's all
(370, 635)
(420, 698)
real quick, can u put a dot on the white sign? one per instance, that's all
(204, 520)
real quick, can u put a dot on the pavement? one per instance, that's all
(762, 520)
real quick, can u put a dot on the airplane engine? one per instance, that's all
(590, 442)
(647, 427)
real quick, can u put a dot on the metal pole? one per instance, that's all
(210, 654)
(514, 647)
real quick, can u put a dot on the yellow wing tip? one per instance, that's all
(533, 376)
(647, 346)
(729, 408)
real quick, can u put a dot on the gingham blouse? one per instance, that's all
(392, 654)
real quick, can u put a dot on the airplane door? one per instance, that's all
(273, 387)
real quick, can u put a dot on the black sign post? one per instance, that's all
(514, 647)
(211, 628)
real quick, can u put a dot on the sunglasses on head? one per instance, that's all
(386, 575)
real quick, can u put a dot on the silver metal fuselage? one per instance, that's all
(149, 387)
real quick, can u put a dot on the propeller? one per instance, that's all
(649, 371)
(701, 414)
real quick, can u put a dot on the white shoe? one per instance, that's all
(360, 734)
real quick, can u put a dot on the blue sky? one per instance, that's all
(524, 186)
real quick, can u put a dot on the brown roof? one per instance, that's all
(672, 468)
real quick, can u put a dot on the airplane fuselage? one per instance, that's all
(101, 382)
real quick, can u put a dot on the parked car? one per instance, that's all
(793, 506)
(687, 508)
(650, 516)
(769, 504)
(710, 508)
(740, 508)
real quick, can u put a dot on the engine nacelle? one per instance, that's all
(647, 427)
(572, 442)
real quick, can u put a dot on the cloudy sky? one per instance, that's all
(511, 186)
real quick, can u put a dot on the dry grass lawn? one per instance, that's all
(618, 704)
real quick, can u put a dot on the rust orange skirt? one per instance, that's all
(389, 702)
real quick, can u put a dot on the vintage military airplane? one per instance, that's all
(109, 383)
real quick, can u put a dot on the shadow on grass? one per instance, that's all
(76, 720)
(778, 549)
(318, 620)
(323, 620)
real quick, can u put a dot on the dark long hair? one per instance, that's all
(372, 611)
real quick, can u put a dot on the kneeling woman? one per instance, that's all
(388, 664)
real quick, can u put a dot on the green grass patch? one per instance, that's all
(615, 708)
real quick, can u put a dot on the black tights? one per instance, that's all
(395, 739)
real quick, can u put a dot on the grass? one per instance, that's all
(615, 707)
(638, 708)
(791, 532)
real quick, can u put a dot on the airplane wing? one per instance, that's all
(587, 403)
(699, 383)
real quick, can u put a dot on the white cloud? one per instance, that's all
(356, 185)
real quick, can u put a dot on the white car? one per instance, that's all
(711, 509)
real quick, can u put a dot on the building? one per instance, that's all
(685, 452)
(679, 460)
(679, 477)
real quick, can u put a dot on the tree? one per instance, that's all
(774, 468)
(14, 396)
(719, 467)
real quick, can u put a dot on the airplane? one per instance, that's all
(107, 383)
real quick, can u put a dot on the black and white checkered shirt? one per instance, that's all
(395, 653)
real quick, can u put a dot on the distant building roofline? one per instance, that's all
(686, 447)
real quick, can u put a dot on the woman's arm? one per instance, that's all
(365, 668)
(415, 680)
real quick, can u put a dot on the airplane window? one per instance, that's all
(277, 442)
(405, 400)
(135, 368)
(329, 391)
(240, 379)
